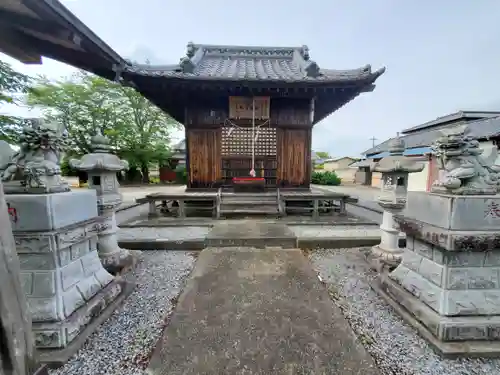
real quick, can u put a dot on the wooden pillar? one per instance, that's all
(17, 351)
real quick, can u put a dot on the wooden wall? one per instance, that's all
(294, 157)
(204, 157)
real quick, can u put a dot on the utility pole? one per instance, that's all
(373, 139)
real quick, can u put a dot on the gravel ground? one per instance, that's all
(123, 344)
(396, 347)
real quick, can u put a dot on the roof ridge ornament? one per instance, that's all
(396, 145)
(305, 52)
(190, 50)
(186, 65)
(100, 143)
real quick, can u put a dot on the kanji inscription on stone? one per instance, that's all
(492, 210)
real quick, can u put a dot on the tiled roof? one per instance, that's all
(234, 63)
(480, 129)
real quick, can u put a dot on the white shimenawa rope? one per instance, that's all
(253, 134)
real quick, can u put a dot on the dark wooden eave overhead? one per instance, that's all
(31, 29)
(253, 68)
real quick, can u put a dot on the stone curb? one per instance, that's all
(340, 242)
(162, 244)
(369, 208)
(307, 243)
(128, 207)
(141, 224)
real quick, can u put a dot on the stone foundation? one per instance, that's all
(63, 278)
(449, 276)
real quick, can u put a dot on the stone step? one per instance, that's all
(249, 211)
(248, 202)
(249, 195)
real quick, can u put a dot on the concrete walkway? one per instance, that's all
(257, 311)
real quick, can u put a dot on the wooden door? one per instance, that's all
(294, 158)
(204, 157)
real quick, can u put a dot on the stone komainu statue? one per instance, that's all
(36, 164)
(466, 170)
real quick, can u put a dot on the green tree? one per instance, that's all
(322, 155)
(86, 104)
(146, 139)
(12, 84)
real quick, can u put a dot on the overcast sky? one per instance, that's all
(441, 55)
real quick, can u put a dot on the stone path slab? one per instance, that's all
(251, 233)
(330, 231)
(257, 311)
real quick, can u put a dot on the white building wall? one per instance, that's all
(418, 181)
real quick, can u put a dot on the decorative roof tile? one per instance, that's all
(233, 63)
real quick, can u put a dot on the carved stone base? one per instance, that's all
(380, 258)
(81, 324)
(15, 187)
(472, 336)
(470, 190)
(113, 257)
(118, 261)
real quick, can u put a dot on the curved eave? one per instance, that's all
(330, 78)
(152, 87)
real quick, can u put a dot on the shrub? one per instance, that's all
(67, 170)
(154, 180)
(325, 178)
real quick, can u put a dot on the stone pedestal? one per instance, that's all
(66, 286)
(447, 284)
(113, 257)
(387, 253)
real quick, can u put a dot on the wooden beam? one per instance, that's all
(18, 21)
(11, 48)
(79, 59)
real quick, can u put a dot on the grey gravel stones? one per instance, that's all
(123, 344)
(396, 347)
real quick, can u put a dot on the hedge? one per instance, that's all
(325, 178)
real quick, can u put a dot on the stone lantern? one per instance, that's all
(395, 170)
(101, 167)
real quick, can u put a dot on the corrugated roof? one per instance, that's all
(453, 117)
(235, 63)
(480, 129)
(407, 152)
